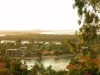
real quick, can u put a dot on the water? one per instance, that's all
(70, 32)
(2, 41)
(56, 63)
(13, 41)
(2, 35)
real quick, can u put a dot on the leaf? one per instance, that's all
(79, 22)
(96, 19)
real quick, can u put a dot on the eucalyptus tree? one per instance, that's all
(86, 62)
(88, 11)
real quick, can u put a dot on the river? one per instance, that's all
(56, 63)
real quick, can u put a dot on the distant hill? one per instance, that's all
(17, 32)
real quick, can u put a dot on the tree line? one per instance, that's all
(37, 37)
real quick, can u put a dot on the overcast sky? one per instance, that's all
(37, 14)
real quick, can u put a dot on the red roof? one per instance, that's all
(46, 52)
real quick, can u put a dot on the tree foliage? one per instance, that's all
(86, 61)
(88, 11)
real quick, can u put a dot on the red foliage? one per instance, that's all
(84, 58)
(95, 60)
(82, 64)
(1, 65)
(88, 73)
(71, 66)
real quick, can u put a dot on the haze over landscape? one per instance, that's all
(49, 37)
(38, 15)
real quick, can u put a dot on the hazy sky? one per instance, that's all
(37, 14)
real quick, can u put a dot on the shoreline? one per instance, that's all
(43, 57)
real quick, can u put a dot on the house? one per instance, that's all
(46, 52)
(14, 52)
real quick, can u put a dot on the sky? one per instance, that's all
(38, 14)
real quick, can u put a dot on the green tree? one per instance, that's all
(15, 67)
(86, 61)
(31, 41)
(18, 43)
(5, 72)
(88, 11)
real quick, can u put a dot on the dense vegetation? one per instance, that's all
(86, 61)
(34, 47)
(86, 49)
(37, 37)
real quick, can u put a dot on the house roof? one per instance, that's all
(12, 49)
